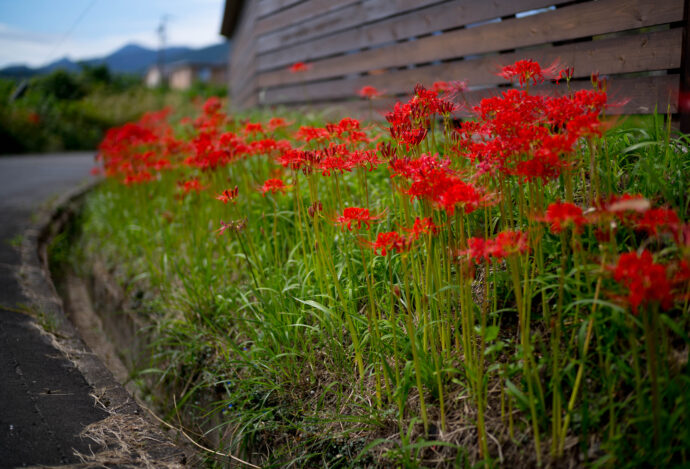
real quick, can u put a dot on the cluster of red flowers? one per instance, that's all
(273, 186)
(515, 135)
(409, 122)
(503, 245)
(361, 217)
(526, 70)
(369, 92)
(394, 241)
(559, 215)
(135, 151)
(529, 136)
(629, 210)
(650, 283)
(190, 185)
(228, 195)
(432, 179)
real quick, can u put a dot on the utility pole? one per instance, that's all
(161, 48)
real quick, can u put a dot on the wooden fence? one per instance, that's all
(394, 44)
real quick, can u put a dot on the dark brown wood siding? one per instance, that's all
(394, 44)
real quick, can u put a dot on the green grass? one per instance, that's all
(290, 344)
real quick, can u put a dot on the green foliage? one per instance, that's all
(257, 333)
(72, 111)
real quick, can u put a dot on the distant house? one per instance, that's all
(182, 75)
(153, 77)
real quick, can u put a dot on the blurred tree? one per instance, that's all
(60, 84)
(95, 74)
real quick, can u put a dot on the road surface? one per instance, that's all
(44, 399)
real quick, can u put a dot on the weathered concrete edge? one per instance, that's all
(37, 284)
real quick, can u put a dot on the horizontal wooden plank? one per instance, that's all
(272, 7)
(643, 96)
(441, 17)
(351, 16)
(570, 22)
(626, 54)
(640, 95)
(299, 13)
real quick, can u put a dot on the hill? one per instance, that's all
(130, 59)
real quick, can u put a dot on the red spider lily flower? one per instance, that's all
(277, 123)
(680, 279)
(234, 225)
(296, 160)
(361, 216)
(298, 67)
(252, 128)
(599, 83)
(161, 164)
(625, 202)
(335, 163)
(387, 150)
(585, 125)
(526, 70)
(273, 186)
(646, 281)
(33, 118)
(137, 177)
(212, 105)
(445, 107)
(223, 227)
(369, 92)
(96, 171)
(228, 195)
(503, 245)
(422, 226)
(190, 185)
(312, 133)
(263, 147)
(566, 73)
(460, 193)
(387, 242)
(414, 136)
(315, 208)
(450, 87)
(441, 87)
(367, 159)
(560, 215)
(626, 209)
(654, 220)
(424, 167)
(348, 130)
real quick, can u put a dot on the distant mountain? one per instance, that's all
(132, 59)
(64, 63)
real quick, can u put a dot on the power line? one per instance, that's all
(71, 29)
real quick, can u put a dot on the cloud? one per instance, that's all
(10, 33)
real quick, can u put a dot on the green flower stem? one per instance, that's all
(583, 360)
(413, 346)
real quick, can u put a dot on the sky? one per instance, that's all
(37, 32)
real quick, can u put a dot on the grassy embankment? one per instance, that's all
(501, 303)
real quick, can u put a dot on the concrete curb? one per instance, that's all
(127, 436)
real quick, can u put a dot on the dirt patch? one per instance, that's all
(90, 327)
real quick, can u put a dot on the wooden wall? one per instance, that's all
(394, 44)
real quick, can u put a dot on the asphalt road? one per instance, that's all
(44, 399)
